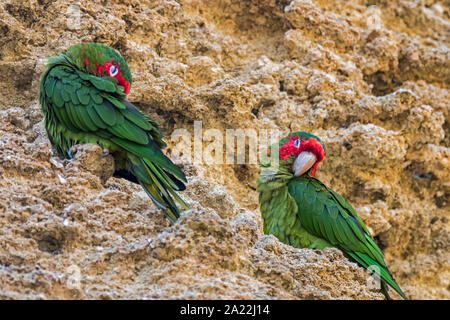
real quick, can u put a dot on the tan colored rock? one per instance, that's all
(94, 159)
(371, 80)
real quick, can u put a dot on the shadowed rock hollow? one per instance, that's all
(370, 78)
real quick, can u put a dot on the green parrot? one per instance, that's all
(82, 94)
(302, 212)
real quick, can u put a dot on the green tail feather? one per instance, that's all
(385, 290)
(384, 273)
(159, 186)
(171, 212)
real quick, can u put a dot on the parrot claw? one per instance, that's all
(72, 151)
(185, 212)
(105, 152)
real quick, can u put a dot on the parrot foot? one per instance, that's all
(105, 152)
(72, 151)
(186, 212)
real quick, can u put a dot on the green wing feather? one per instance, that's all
(327, 215)
(83, 108)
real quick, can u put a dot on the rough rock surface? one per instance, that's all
(371, 78)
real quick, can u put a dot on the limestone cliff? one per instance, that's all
(371, 78)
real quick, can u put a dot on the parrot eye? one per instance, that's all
(113, 70)
(297, 143)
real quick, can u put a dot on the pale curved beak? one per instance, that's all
(303, 163)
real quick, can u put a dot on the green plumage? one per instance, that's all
(303, 212)
(83, 103)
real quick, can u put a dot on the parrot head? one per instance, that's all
(102, 61)
(300, 152)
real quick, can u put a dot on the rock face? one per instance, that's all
(371, 78)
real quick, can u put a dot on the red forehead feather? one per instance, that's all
(288, 148)
(312, 145)
(99, 70)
